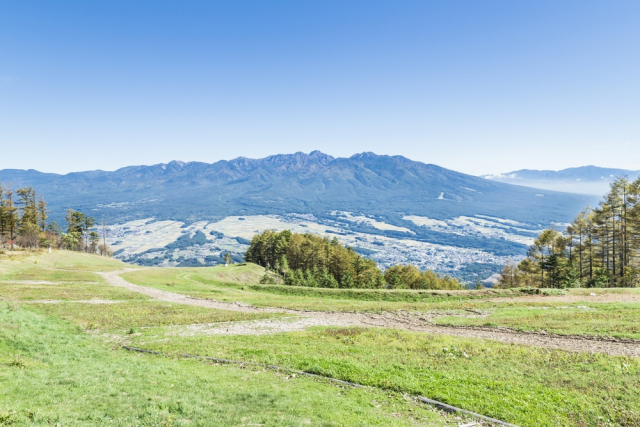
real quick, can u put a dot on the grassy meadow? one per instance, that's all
(62, 363)
(500, 307)
(522, 385)
(240, 282)
(62, 328)
(618, 320)
(52, 373)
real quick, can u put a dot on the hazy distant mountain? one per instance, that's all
(585, 179)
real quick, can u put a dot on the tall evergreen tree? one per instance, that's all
(601, 247)
(43, 214)
(11, 219)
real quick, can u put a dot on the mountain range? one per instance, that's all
(591, 180)
(386, 186)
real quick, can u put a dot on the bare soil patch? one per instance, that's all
(257, 327)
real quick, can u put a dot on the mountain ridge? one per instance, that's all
(390, 186)
(589, 179)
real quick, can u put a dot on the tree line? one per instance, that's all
(600, 248)
(22, 217)
(24, 224)
(310, 260)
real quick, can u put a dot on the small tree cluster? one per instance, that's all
(600, 248)
(310, 260)
(79, 235)
(23, 218)
(410, 277)
(24, 224)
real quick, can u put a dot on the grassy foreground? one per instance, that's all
(51, 373)
(61, 362)
(522, 385)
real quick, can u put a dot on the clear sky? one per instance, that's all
(476, 86)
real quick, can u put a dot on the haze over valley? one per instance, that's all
(590, 180)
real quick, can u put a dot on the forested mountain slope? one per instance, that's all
(386, 186)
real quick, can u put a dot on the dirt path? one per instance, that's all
(113, 278)
(408, 321)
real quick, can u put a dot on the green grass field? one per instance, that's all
(241, 283)
(51, 373)
(621, 320)
(522, 385)
(62, 362)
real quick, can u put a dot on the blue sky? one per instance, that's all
(475, 86)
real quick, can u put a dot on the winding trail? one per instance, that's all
(408, 321)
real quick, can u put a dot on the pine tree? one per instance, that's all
(510, 275)
(347, 280)
(2, 213)
(601, 247)
(74, 220)
(87, 223)
(94, 239)
(11, 219)
(227, 259)
(42, 214)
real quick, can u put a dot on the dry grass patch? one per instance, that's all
(142, 314)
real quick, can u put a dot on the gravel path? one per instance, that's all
(408, 321)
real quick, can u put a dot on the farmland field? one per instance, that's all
(527, 358)
(202, 243)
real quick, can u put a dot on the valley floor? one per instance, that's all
(560, 359)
